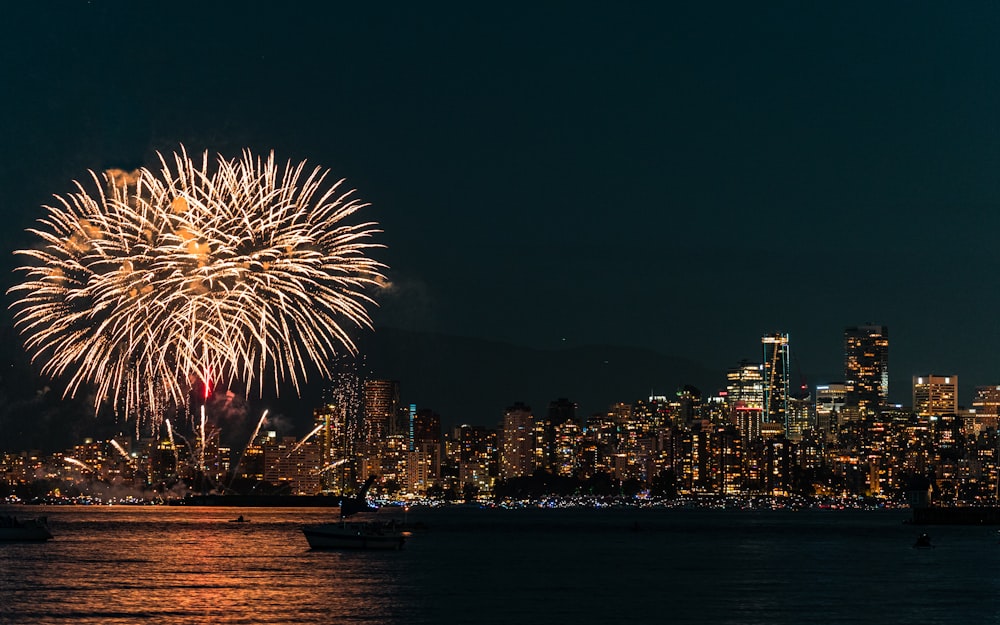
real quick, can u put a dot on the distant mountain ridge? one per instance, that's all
(471, 380)
(463, 379)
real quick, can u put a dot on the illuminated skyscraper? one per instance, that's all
(425, 447)
(935, 394)
(745, 397)
(517, 444)
(381, 405)
(866, 369)
(477, 468)
(335, 446)
(987, 400)
(830, 399)
(775, 378)
(801, 416)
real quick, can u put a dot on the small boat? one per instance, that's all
(28, 530)
(923, 542)
(366, 535)
(239, 519)
(354, 535)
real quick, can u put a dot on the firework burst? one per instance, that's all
(198, 274)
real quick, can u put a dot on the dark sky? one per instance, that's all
(683, 177)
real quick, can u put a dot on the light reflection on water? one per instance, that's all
(189, 565)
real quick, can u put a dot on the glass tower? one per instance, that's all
(775, 378)
(866, 368)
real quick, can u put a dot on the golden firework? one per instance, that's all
(211, 270)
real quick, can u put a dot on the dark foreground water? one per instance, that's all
(126, 565)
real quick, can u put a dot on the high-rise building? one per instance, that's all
(477, 468)
(745, 385)
(336, 447)
(830, 400)
(987, 400)
(935, 394)
(775, 378)
(426, 440)
(381, 409)
(292, 465)
(745, 397)
(800, 417)
(866, 369)
(517, 443)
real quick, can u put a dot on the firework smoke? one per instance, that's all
(160, 283)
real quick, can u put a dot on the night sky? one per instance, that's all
(677, 177)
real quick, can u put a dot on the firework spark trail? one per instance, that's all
(237, 269)
(121, 450)
(76, 462)
(303, 441)
(173, 445)
(332, 465)
(299, 444)
(201, 447)
(236, 469)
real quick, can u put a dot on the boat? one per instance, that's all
(923, 542)
(956, 515)
(354, 535)
(366, 535)
(29, 530)
(239, 519)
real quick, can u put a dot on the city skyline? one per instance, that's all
(587, 218)
(744, 383)
(675, 178)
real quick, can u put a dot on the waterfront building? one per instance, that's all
(291, 465)
(866, 369)
(569, 440)
(336, 447)
(426, 433)
(477, 462)
(517, 447)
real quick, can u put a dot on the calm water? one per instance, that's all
(111, 565)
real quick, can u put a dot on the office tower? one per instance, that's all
(935, 394)
(775, 378)
(987, 400)
(830, 400)
(800, 417)
(517, 443)
(381, 407)
(569, 438)
(745, 397)
(689, 403)
(866, 369)
(745, 386)
(477, 466)
(292, 466)
(562, 410)
(425, 450)
(336, 448)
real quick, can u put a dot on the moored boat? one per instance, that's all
(366, 536)
(13, 529)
